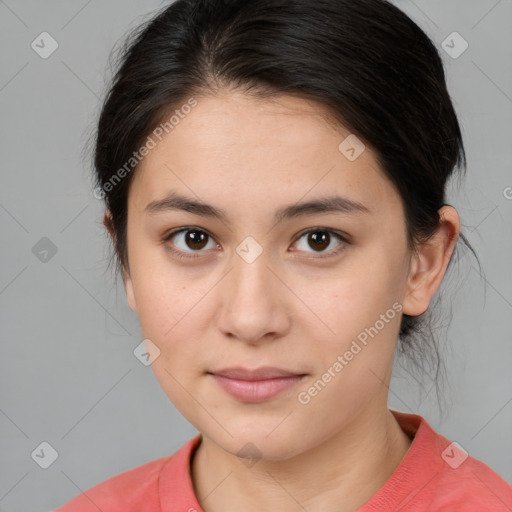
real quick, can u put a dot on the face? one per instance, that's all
(260, 279)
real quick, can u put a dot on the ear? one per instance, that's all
(127, 280)
(130, 295)
(428, 264)
(109, 224)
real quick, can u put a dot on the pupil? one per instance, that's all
(319, 242)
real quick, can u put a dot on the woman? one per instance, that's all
(274, 174)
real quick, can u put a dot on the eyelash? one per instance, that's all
(182, 255)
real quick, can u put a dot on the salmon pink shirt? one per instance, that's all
(435, 476)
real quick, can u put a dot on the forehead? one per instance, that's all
(252, 152)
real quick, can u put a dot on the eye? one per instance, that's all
(191, 240)
(320, 239)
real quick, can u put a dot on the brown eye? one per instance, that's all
(321, 241)
(187, 241)
(195, 239)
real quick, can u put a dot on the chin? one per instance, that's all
(254, 442)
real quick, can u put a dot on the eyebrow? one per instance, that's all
(321, 205)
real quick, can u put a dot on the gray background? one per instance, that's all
(68, 373)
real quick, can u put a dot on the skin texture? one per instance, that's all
(289, 308)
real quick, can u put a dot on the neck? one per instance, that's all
(341, 473)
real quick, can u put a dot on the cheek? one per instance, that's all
(356, 299)
(357, 316)
(352, 364)
(174, 312)
(168, 317)
(163, 294)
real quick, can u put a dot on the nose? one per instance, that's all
(254, 309)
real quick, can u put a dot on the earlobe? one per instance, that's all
(429, 263)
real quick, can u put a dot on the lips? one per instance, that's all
(256, 385)
(263, 373)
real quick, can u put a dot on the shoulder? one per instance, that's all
(444, 477)
(135, 490)
(454, 480)
(471, 486)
